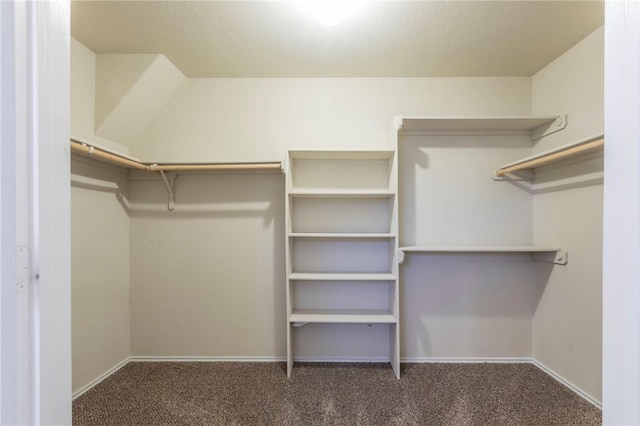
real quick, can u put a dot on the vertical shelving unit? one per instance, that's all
(342, 236)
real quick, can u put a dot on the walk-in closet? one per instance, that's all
(433, 214)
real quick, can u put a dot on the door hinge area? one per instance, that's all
(23, 268)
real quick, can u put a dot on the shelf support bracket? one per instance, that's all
(400, 256)
(299, 324)
(546, 129)
(559, 258)
(169, 181)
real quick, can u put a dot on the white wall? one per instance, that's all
(208, 278)
(568, 321)
(258, 119)
(83, 98)
(462, 305)
(223, 292)
(573, 84)
(100, 270)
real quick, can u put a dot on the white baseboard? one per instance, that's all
(341, 359)
(206, 359)
(567, 383)
(100, 378)
(474, 360)
(469, 360)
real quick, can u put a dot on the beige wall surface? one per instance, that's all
(464, 305)
(223, 294)
(83, 98)
(573, 84)
(250, 119)
(100, 271)
(208, 278)
(567, 325)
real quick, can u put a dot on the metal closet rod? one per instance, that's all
(554, 156)
(91, 151)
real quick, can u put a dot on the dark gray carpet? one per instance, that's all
(198, 393)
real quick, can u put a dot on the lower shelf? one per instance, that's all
(353, 316)
(479, 249)
(541, 253)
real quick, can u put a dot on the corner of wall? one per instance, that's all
(131, 89)
(572, 84)
(83, 73)
(567, 322)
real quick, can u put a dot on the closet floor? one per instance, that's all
(234, 393)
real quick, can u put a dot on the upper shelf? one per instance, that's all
(340, 193)
(382, 154)
(413, 124)
(476, 123)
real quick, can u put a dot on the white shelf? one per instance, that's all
(302, 276)
(479, 249)
(539, 253)
(345, 316)
(341, 193)
(338, 235)
(341, 215)
(342, 155)
(472, 123)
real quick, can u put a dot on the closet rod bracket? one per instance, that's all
(169, 179)
(559, 257)
(546, 129)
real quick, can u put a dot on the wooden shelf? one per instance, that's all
(345, 316)
(413, 124)
(478, 249)
(311, 276)
(341, 193)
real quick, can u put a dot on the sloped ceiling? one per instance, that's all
(389, 39)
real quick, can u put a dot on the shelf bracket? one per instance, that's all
(299, 324)
(559, 257)
(169, 181)
(547, 129)
(400, 256)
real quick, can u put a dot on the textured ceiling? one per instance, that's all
(389, 39)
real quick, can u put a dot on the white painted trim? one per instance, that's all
(206, 359)
(468, 360)
(567, 383)
(100, 378)
(423, 360)
(621, 216)
(342, 359)
(404, 133)
(11, 405)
